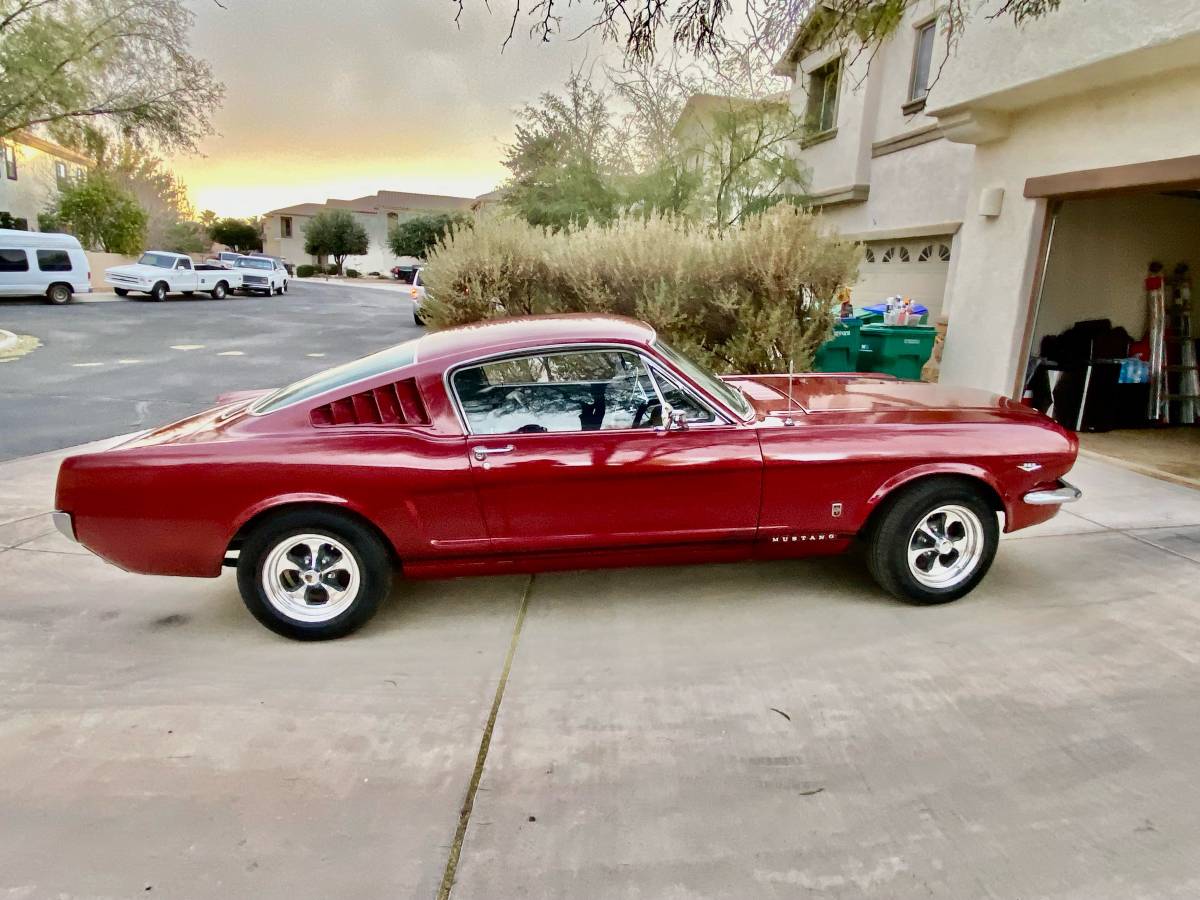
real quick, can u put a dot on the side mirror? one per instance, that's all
(676, 420)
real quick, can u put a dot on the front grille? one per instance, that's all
(126, 279)
(254, 279)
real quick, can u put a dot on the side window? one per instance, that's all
(681, 400)
(183, 264)
(54, 261)
(13, 261)
(591, 390)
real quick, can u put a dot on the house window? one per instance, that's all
(869, 255)
(821, 114)
(918, 86)
(80, 174)
(10, 161)
(61, 177)
(943, 253)
(285, 226)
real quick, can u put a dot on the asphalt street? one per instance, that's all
(111, 368)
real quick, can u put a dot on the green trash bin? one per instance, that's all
(900, 350)
(840, 352)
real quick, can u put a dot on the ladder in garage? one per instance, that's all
(1186, 396)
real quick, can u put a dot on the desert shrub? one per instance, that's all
(749, 300)
(353, 273)
(305, 271)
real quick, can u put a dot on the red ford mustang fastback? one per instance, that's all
(561, 442)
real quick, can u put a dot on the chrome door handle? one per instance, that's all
(481, 453)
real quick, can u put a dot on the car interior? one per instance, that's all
(570, 391)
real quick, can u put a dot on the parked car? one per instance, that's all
(542, 443)
(160, 272)
(263, 274)
(41, 264)
(416, 293)
(226, 258)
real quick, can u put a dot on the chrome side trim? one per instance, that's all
(1064, 493)
(66, 527)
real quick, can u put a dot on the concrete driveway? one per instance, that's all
(759, 730)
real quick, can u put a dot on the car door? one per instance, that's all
(16, 280)
(568, 452)
(184, 277)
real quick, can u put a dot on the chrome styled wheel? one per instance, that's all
(310, 577)
(946, 547)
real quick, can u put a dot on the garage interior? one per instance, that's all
(1111, 258)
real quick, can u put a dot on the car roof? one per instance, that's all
(501, 335)
(15, 237)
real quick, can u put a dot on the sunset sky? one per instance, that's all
(341, 99)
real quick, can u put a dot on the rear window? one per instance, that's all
(361, 369)
(54, 261)
(13, 261)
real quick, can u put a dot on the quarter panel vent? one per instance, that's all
(398, 403)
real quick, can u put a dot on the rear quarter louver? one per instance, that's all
(398, 403)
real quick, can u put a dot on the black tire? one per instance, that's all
(158, 293)
(220, 289)
(374, 571)
(969, 528)
(121, 292)
(417, 320)
(58, 294)
(283, 290)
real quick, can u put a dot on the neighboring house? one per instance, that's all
(1019, 187)
(32, 171)
(284, 228)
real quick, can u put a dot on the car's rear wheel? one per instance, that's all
(934, 542)
(219, 290)
(158, 293)
(313, 575)
(58, 294)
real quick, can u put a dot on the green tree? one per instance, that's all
(566, 159)
(102, 215)
(418, 235)
(337, 234)
(185, 237)
(79, 67)
(207, 218)
(237, 234)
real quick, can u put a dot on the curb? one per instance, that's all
(7, 340)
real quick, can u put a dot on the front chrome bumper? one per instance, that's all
(1064, 493)
(64, 524)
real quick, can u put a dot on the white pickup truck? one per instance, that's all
(159, 273)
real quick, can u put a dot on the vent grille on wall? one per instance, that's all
(398, 403)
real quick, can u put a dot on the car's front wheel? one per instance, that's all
(934, 542)
(219, 290)
(158, 293)
(313, 575)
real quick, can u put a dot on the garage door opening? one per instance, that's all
(1100, 314)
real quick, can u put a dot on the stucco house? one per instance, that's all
(283, 229)
(32, 170)
(1019, 185)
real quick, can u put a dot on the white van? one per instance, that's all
(41, 264)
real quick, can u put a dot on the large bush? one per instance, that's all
(751, 300)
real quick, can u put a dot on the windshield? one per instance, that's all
(250, 262)
(726, 393)
(158, 260)
(339, 376)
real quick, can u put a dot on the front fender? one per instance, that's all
(968, 470)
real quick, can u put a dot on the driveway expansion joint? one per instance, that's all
(485, 742)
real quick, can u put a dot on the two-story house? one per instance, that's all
(1020, 184)
(284, 228)
(32, 171)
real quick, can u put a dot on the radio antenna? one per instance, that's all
(791, 364)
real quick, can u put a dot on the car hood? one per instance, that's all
(137, 270)
(770, 394)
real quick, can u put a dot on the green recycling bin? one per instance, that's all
(840, 352)
(900, 350)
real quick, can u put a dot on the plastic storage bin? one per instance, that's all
(840, 352)
(900, 350)
(872, 315)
